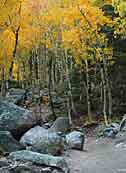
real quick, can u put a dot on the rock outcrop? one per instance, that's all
(61, 124)
(8, 143)
(75, 140)
(43, 141)
(15, 119)
(40, 159)
(16, 95)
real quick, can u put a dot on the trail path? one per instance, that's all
(102, 156)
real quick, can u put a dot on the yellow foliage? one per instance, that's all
(72, 22)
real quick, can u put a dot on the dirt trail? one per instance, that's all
(102, 156)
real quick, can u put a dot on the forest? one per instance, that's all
(62, 78)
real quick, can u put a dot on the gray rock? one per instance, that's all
(10, 166)
(56, 171)
(40, 159)
(4, 162)
(32, 136)
(15, 95)
(43, 141)
(8, 143)
(120, 138)
(108, 132)
(75, 140)
(15, 119)
(123, 123)
(16, 91)
(28, 168)
(111, 130)
(61, 124)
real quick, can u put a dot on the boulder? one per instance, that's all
(120, 138)
(10, 166)
(75, 140)
(123, 123)
(43, 141)
(8, 143)
(28, 168)
(15, 95)
(4, 162)
(108, 132)
(32, 136)
(15, 119)
(40, 159)
(111, 130)
(61, 124)
(16, 91)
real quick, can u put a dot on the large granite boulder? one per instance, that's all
(40, 159)
(8, 143)
(43, 141)
(32, 136)
(10, 166)
(15, 119)
(75, 140)
(16, 95)
(61, 124)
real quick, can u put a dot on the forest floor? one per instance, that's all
(100, 156)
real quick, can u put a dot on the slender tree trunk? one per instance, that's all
(53, 75)
(36, 68)
(50, 87)
(108, 87)
(102, 54)
(101, 96)
(33, 70)
(69, 111)
(30, 70)
(81, 94)
(110, 104)
(69, 83)
(27, 69)
(24, 75)
(14, 55)
(42, 74)
(88, 91)
(105, 97)
(18, 72)
(3, 82)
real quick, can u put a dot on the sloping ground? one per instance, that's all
(101, 156)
